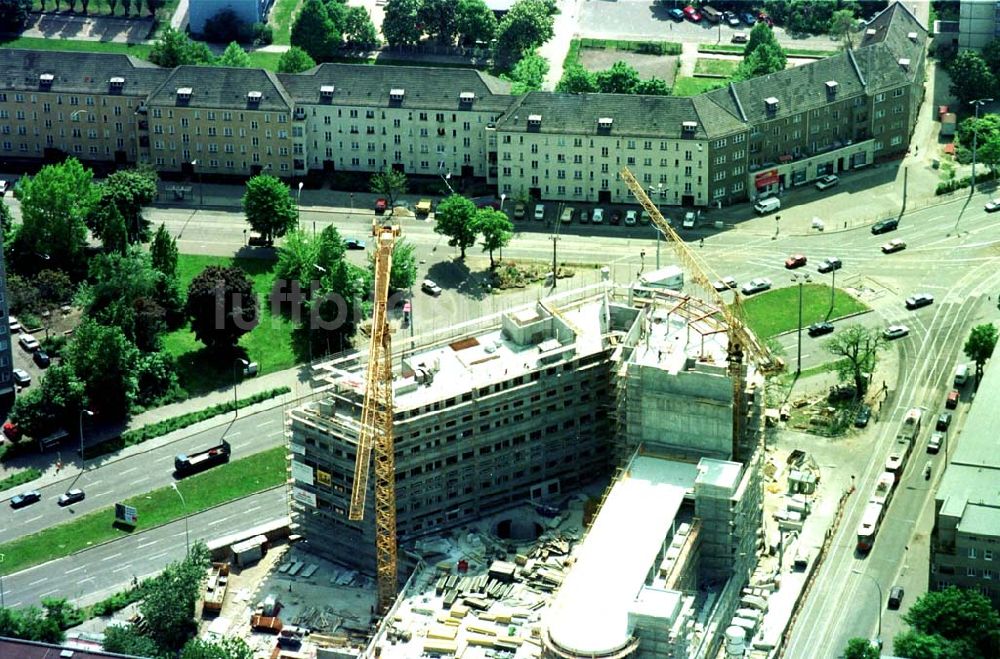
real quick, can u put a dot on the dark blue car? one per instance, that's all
(748, 18)
(676, 14)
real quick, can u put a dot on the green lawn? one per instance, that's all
(281, 20)
(267, 61)
(738, 49)
(219, 485)
(694, 86)
(37, 43)
(717, 67)
(270, 344)
(777, 310)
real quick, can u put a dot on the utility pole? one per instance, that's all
(554, 240)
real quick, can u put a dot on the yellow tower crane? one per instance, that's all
(742, 342)
(376, 426)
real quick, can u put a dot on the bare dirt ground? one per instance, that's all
(88, 27)
(648, 66)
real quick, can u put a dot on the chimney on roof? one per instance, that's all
(45, 80)
(253, 98)
(771, 104)
(831, 89)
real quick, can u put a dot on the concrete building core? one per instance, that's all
(532, 404)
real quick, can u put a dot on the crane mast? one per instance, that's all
(376, 426)
(742, 342)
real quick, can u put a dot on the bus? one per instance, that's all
(868, 527)
(884, 487)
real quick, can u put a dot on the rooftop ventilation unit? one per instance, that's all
(467, 97)
(771, 104)
(254, 97)
(45, 80)
(326, 91)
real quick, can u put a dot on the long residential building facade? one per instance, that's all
(750, 138)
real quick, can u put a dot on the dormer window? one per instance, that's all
(534, 120)
(605, 123)
(326, 91)
(466, 98)
(253, 98)
(771, 104)
(117, 83)
(831, 87)
(184, 93)
(397, 95)
(45, 80)
(689, 126)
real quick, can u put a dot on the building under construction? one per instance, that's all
(530, 404)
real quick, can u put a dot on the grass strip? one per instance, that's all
(20, 478)
(715, 67)
(684, 86)
(788, 377)
(220, 485)
(281, 20)
(70, 45)
(737, 49)
(160, 428)
(777, 310)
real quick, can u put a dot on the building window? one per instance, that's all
(987, 554)
(896, 140)
(970, 571)
(988, 575)
(972, 552)
(719, 193)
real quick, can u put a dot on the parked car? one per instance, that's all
(764, 18)
(42, 359)
(645, 218)
(827, 181)
(21, 377)
(756, 286)
(748, 18)
(519, 211)
(935, 442)
(863, 416)
(992, 205)
(29, 342)
(819, 329)
(951, 402)
(676, 14)
(795, 261)
(724, 284)
(584, 217)
(15, 324)
(732, 19)
(381, 205)
(598, 217)
(424, 207)
(429, 287)
(894, 245)
(631, 218)
(895, 597)
(25, 499)
(616, 217)
(567, 215)
(885, 226)
(690, 220)
(895, 331)
(539, 211)
(12, 431)
(692, 14)
(943, 421)
(71, 497)
(740, 37)
(919, 300)
(830, 264)
(257, 240)
(354, 243)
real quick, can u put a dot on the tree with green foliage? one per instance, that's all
(163, 252)
(126, 639)
(577, 80)
(495, 228)
(55, 404)
(122, 285)
(474, 22)
(234, 56)
(54, 206)
(619, 79)
(808, 17)
(456, 219)
(858, 348)
(14, 14)
(31, 624)
(389, 183)
(404, 266)
(128, 190)
(174, 48)
(104, 360)
(338, 303)
(153, 5)
(971, 78)
(861, 648)
(112, 5)
(768, 58)
(169, 599)
(953, 622)
(297, 260)
(400, 27)
(6, 223)
(315, 32)
(653, 87)
(527, 25)
(439, 20)
(358, 29)
(156, 373)
(221, 306)
(988, 152)
(979, 346)
(760, 34)
(109, 226)
(528, 74)
(55, 288)
(269, 206)
(991, 54)
(231, 647)
(295, 60)
(842, 26)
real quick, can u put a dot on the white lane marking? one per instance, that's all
(232, 434)
(95, 483)
(42, 580)
(219, 521)
(76, 569)
(51, 592)
(112, 557)
(147, 544)
(33, 519)
(250, 510)
(103, 494)
(162, 553)
(129, 471)
(265, 423)
(124, 567)
(139, 480)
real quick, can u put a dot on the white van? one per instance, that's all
(961, 374)
(769, 205)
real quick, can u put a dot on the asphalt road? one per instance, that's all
(99, 572)
(107, 481)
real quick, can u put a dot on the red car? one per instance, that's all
(764, 18)
(953, 398)
(12, 431)
(692, 14)
(795, 261)
(381, 205)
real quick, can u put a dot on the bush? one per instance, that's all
(20, 478)
(167, 426)
(116, 602)
(658, 48)
(946, 187)
(258, 34)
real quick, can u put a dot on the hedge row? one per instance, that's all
(20, 478)
(160, 428)
(951, 185)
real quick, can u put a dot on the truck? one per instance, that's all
(185, 465)
(670, 277)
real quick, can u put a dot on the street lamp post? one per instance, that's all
(446, 177)
(975, 133)
(187, 535)
(201, 187)
(800, 281)
(3, 604)
(298, 206)
(88, 413)
(239, 361)
(878, 634)
(661, 192)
